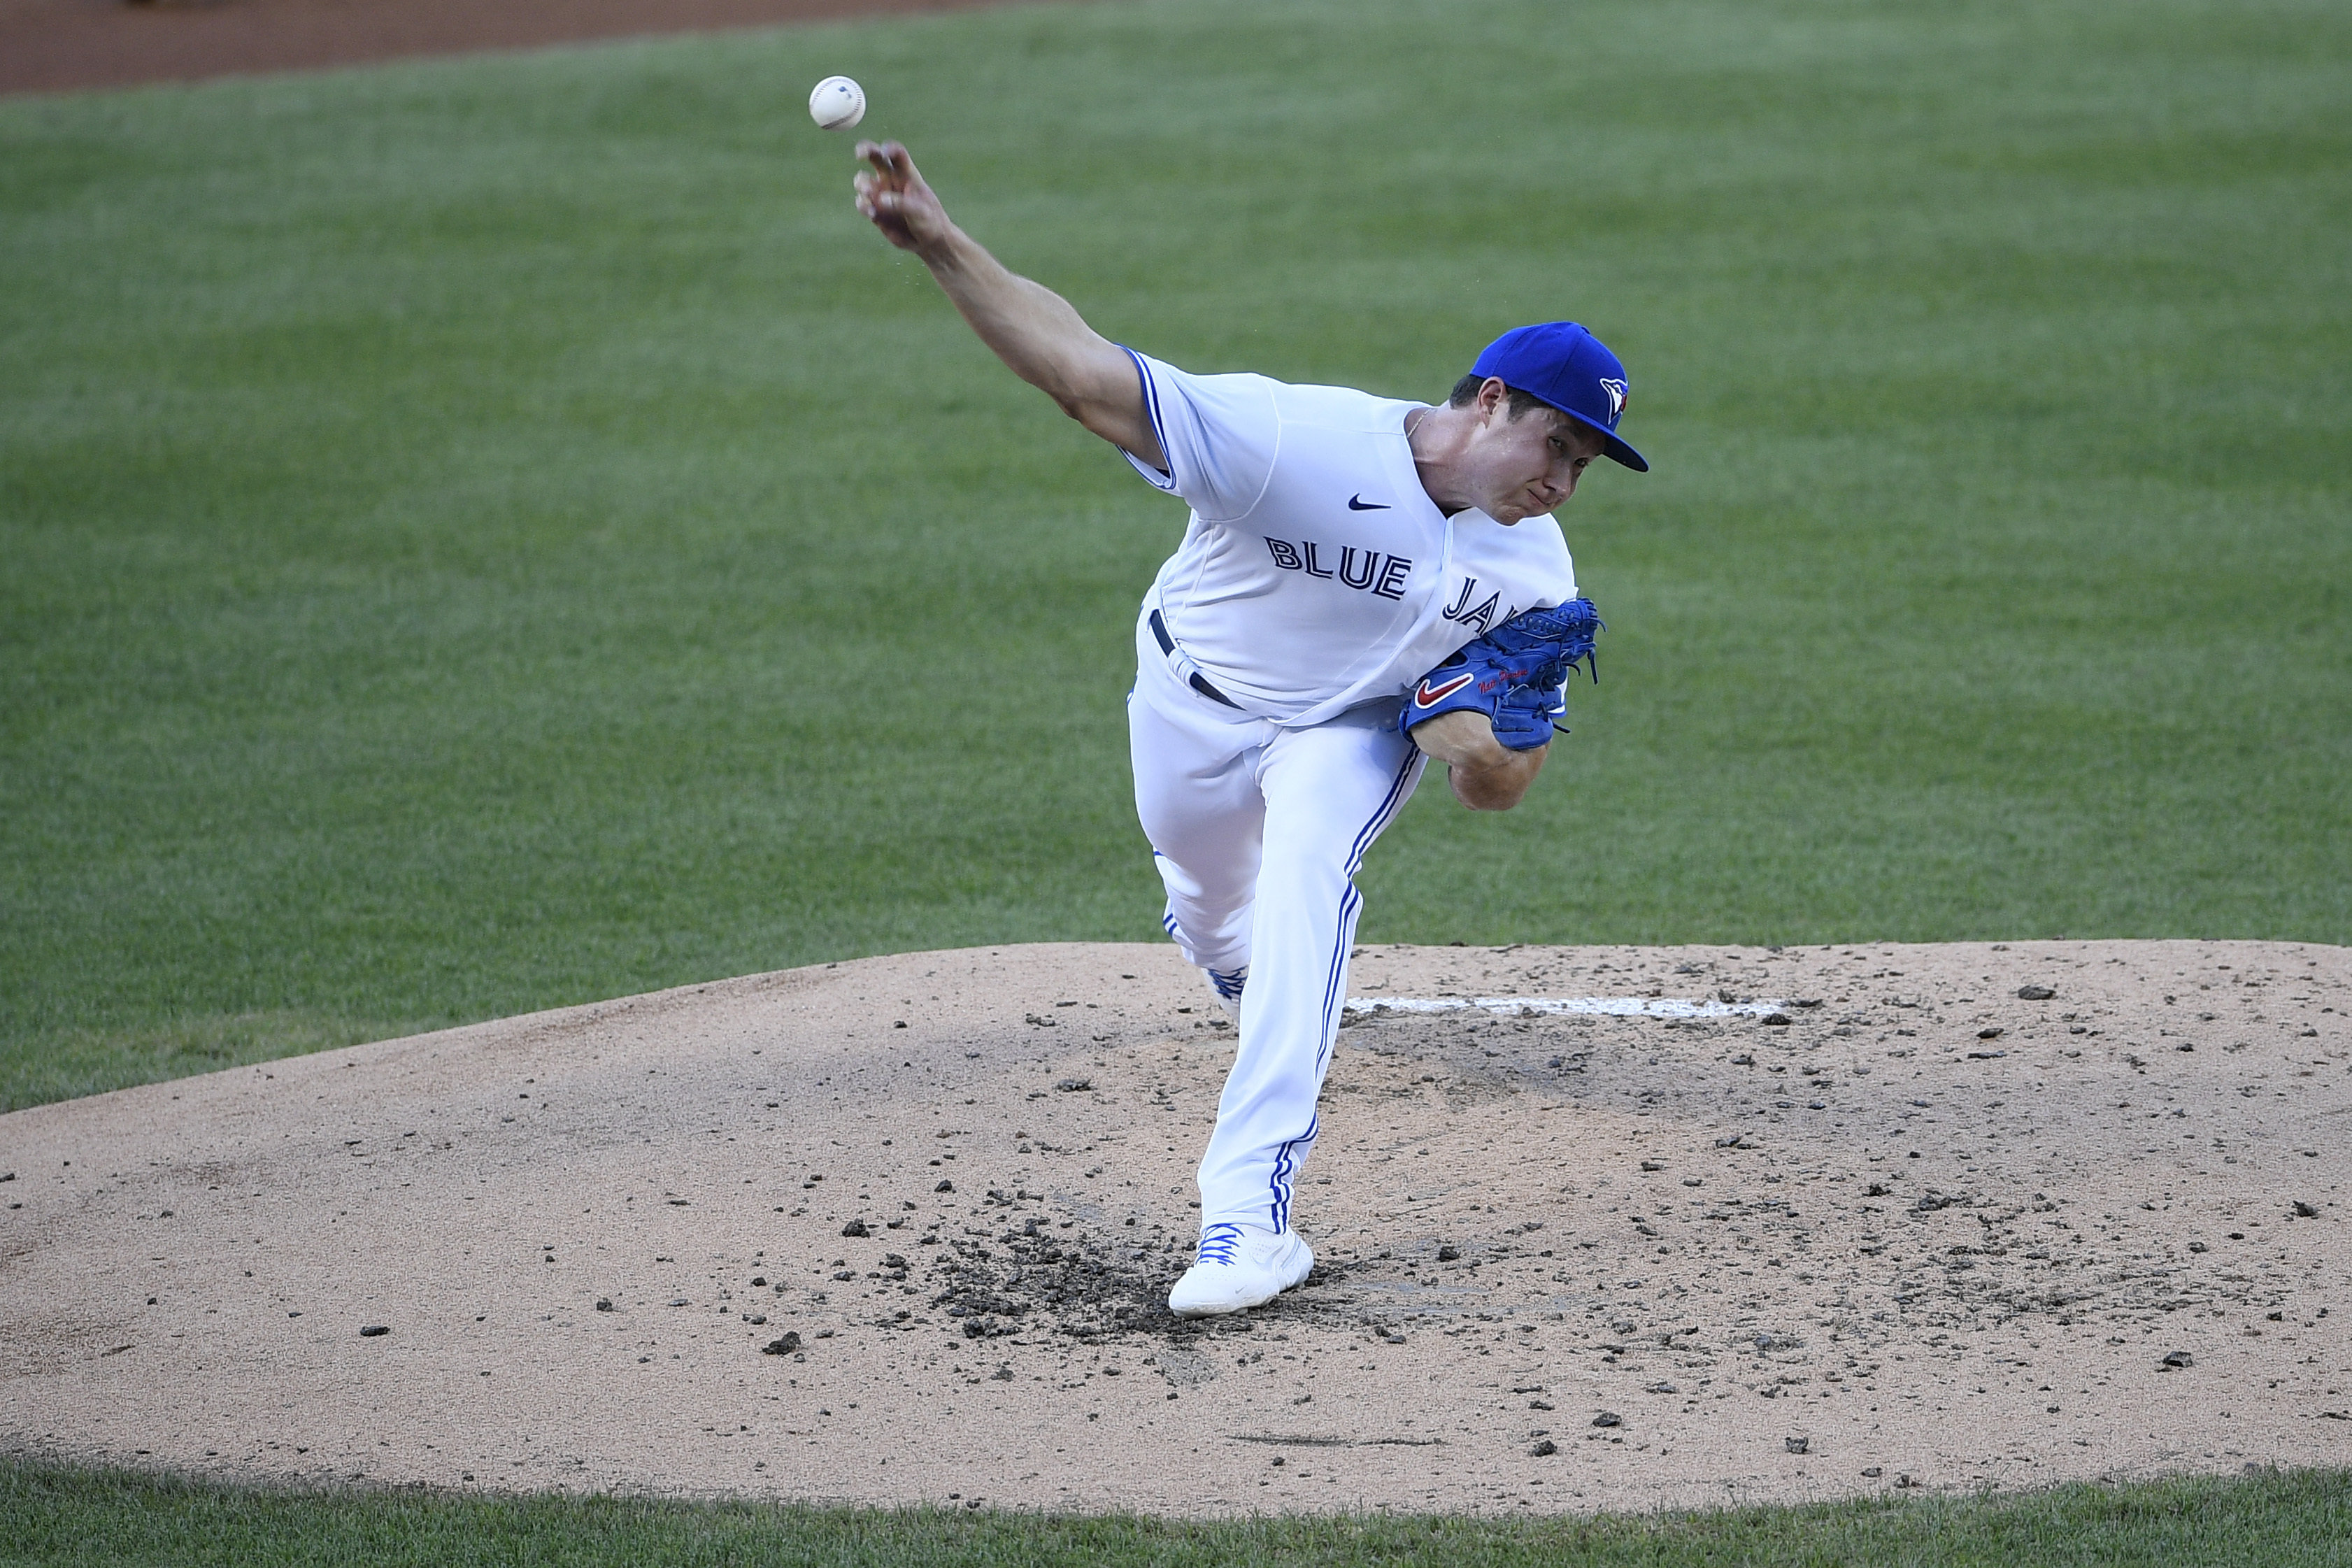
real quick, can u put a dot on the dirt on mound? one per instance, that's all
(1642, 1226)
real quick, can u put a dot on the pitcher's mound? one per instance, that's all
(1709, 1224)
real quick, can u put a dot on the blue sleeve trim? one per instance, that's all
(1165, 478)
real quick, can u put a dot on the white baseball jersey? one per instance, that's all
(1316, 574)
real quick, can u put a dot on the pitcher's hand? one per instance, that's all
(893, 195)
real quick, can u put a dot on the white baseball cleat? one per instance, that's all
(1240, 1267)
(1225, 984)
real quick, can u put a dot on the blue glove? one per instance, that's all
(1516, 674)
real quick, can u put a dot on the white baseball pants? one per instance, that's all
(1257, 832)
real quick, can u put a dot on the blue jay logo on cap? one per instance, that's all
(1616, 391)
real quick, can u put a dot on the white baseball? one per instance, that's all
(838, 103)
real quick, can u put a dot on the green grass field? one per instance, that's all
(482, 535)
(58, 1518)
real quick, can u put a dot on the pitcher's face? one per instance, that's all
(1526, 466)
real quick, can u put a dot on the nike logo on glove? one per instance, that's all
(1358, 503)
(1430, 696)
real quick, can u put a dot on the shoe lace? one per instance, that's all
(1229, 983)
(1219, 1242)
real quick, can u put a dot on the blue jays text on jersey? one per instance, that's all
(1480, 618)
(1366, 569)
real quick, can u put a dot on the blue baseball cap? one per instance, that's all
(1569, 368)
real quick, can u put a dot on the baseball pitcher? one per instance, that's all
(1364, 585)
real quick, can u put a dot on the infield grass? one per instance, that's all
(56, 1518)
(487, 534)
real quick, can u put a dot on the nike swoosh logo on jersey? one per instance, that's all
(1358, 503)
(1430, 697)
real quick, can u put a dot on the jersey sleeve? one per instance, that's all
(1220, 433)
